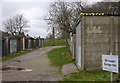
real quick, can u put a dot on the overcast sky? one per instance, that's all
(32, 12)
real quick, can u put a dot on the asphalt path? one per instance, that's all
(33, 66)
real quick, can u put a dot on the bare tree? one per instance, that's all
(16, 24)
(63, 16)
(57, 16)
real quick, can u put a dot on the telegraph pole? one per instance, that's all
(53, 35)
(53, 32)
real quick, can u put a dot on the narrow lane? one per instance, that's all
(37, 65)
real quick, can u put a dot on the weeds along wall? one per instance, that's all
(95, 36)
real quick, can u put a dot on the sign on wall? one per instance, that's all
(110, 63)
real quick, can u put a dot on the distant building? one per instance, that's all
(13, 43)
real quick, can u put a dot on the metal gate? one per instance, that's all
(13, 46)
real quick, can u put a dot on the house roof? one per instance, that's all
(29, 37)
(3, 34)
(22, 34)
(6, 34)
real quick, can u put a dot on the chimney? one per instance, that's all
(39, 37)
(27, 34)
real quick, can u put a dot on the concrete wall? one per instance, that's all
(99, 36)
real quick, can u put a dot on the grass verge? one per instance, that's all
(59, 56)
(57, 43)
(10, 56)
(89, 75)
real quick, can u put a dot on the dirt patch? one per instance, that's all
(12, 68)
(6, 68)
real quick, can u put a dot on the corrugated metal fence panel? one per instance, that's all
(78, 46)
(74, 47)
(70, 42)
(13, 45)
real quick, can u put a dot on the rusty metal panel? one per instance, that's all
(18, 44)
(21, 44)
